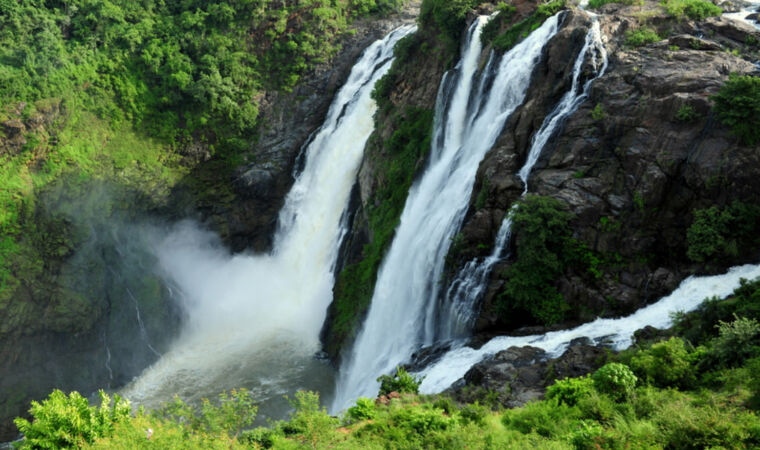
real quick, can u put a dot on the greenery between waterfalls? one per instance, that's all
(409, 144)
(514, 33)
(695, 386)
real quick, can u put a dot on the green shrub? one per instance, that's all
(421, 419)
(686, 113)
(448, 17)
(522, 29)
(229, 415)
(598, 112)
(473, 413)
(588, 435)
(542, 240)
(309, 423)
(594, 4)
(401, 382)
(543, 418)
(723, 232)
(737, 341)
(569, 391)
(753, 366)
(641, 36)
(693, 9)
(62, 421)
(665, 364)
(737, 105)
(363, 410)
(615, 380)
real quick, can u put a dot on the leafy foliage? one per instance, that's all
(231, 414)
(665, 364)
(569, 391)
(63, 421)
(641, 36)
(737, 341)
(517, 32)
(401, 382)
(615, 380)
(693, 9)
(737, 106)
(448, 17)
(595, 4)
(722, 232)
(364, 409)
(686, 113)
(541, 227)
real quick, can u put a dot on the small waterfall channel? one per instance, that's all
(253, 320)
(471, 110)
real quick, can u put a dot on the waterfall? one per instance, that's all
(617, 332)
(254, 320)
(465, 291)
(469, 118)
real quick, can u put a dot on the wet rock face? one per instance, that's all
(632, 163)
(519, 375)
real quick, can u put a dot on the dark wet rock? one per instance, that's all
(649, 334)
(518, 375)
(427, 356)
(688, 41)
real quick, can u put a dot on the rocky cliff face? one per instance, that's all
(631, 169)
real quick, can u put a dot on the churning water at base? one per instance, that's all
(469, 118)
(254, 320)
(465, 291)
(616, 332)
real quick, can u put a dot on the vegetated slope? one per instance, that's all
(693, 386)
(114, 110)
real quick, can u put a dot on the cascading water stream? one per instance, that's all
(469, 118)
(615, 332)
(254, 320)
(465, 291)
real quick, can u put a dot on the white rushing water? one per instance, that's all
(254, 320)
(469, 118)
(618, 332)
(748, 8)
(466, 289)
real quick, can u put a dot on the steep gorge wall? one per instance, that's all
(630, 169)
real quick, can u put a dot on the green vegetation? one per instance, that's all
(598, 112)
(723, 233)
(448, 17)
(611, 408)
(595, 4)
(542, 250)
(118, 90)
(686, 113)
(693, 9)
(520, 30)
(409, 144)
(63, 421)
(402, 382)
(737, 106)
(615, 380)
(641, 36)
